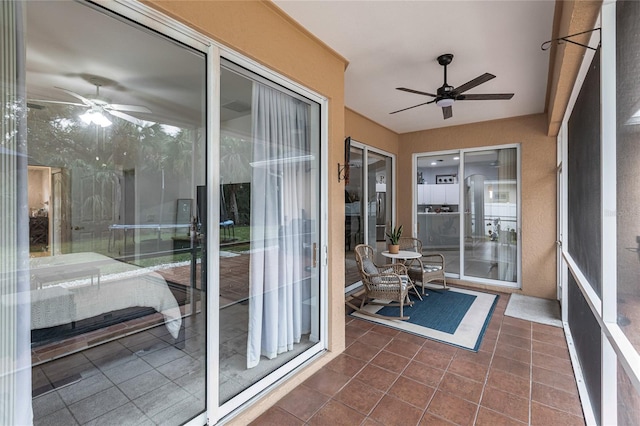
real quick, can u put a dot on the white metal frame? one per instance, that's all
(414, 214)
(149, 17)
(616, 348)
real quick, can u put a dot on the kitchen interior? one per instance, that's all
(438, 196)
(486, 196)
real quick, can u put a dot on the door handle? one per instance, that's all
(314, 261)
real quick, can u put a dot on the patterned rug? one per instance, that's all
(457, 316)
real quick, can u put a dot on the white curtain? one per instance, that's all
(15, 321)
(280, 191)
(507, 248)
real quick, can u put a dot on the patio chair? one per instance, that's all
(389, 283)
(429, 267)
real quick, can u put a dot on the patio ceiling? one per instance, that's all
(393, 44)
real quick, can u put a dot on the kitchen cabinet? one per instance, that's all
(438, 194)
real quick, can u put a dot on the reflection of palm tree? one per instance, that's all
(235, 155)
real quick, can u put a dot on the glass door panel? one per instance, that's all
(379, 201)
(490, 191)
(115, 256)
(438, 207)
(269, 231)
(353, 213)
(367, 217)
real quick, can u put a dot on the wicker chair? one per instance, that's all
(389, 282)
(428, 268)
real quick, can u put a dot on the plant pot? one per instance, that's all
(394, 248)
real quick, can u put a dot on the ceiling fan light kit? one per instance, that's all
(445, 102)
(99, 108)
(95, 117)
(447, 95)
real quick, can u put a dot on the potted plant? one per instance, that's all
(394, 237)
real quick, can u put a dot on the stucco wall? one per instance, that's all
(363, 130)
(260, 31)
(538, 171)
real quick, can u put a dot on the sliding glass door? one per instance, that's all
(269, 232)
(368, 204)
(467, 209)
(490, 199)
(110, 165)
(150, 274)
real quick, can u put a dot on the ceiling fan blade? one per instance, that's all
(86, 101)
(131, 119)
(485, 97)
(57, 102)
(447, 112)
(131, 108)
(475, 82)
(417, 92)
(404, 109)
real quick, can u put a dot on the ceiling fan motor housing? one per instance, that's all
(446, 91)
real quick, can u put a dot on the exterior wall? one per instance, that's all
(262, 32)
(363, 130)
(538, 177)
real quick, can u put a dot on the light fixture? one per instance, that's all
(96, 117)
(444, 102)
(456, 158)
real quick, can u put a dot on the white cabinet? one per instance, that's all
(438, 194)
(424, 194)
(452, 194)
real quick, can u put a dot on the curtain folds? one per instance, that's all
(280, 194)
(15, 320)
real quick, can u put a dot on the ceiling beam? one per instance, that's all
(571, 17)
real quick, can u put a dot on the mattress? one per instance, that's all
(73, 287)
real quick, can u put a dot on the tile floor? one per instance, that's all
(139, 379)
(521, 375)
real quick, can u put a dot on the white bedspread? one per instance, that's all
(65, 288)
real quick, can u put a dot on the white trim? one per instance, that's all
(213, 238)
(608, 173)
(565, 225)
(593, 300)
(151, 18)
(627, 355)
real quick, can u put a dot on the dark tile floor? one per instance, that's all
(521, 375)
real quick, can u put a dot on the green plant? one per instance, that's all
(394, 235)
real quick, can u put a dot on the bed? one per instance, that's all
(72, 287)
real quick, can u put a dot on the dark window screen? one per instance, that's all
(584, 178)
(585, 331)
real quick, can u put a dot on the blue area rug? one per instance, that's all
(458, 317)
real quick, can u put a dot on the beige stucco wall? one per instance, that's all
(361, 129)
(260, 31)
(538, 172)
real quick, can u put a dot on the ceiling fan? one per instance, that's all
(98, 106)
(447, 95)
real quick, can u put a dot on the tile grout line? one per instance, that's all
(486, 378)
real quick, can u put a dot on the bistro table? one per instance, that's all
(405, 255)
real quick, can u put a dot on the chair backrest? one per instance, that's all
(364, 259)
(410, 244)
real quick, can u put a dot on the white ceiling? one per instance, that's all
(393, 44)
